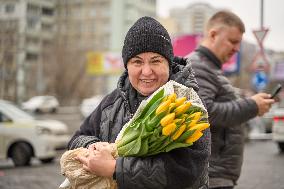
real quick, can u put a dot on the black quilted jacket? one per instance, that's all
(179, 169)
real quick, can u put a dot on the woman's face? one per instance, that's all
(147, 72)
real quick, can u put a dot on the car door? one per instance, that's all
(5, 124)
(45, 106)
(3, 149)
(1, 138)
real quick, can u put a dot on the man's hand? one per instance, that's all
(263, 102)
(100, 160)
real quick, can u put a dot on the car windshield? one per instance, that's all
(14, 112)
(36, 100)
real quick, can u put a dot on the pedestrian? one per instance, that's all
(149, 62)
(227, 112)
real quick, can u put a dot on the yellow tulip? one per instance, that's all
(179, 132)
(163, 107)
(167, 119)
(195, 116)
(180, 101)
(200, 126)
(169, 129)
(172, 97)
(194, 137)
(182, 108)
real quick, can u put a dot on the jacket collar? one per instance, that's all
(128, 93)
(210, 55)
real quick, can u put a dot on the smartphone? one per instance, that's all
(276, 90)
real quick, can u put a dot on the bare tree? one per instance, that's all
(67, 69)
(8, 51)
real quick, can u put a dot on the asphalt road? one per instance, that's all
(263, 166)
(37, 176)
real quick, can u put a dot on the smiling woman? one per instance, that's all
(149, 62)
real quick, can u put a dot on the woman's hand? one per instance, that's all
(100, 160)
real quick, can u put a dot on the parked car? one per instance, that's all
(88, 105)
(278, 126)
(267, 120)
(39, 104)
(23, 137)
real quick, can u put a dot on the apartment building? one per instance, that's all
(27, 30)
(97, 26)
(191, 20)
(49, 40)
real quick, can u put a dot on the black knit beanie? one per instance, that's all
(147, 35)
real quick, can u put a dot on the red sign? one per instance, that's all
(260, 62)
(260, 35)
(185, 44)
(232, 65)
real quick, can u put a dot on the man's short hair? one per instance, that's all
(226, 18)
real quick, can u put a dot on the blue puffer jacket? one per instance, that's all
(179, 169)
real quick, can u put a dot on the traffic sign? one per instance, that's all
(260, 35)
(260, 62)
(260, 80)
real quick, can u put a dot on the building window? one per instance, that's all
(47, 44)
(9, 8)
(31, 56)
(46, 27)
(32, 22)
(8, 57)
(47, 11)
(93, 12)
(10, 41)
(31, 40)
(33, 9)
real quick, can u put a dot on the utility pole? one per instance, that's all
(20, 77)
(261, 14)
(40, 82)
(260, 64)
(21, 68)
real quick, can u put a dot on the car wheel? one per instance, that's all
(38, 111)
(21, 154)
(47, 160)
(53, 110)
(281, 146)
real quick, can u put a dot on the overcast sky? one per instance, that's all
(249, 12)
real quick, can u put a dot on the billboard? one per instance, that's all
(185, 44)
(99, 63)
(278, 71)
(233, 65)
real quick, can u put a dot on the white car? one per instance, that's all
(40, 104)
(88, 105)
(278, 126)
(22, 137)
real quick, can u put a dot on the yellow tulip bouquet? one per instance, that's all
(173, 117)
